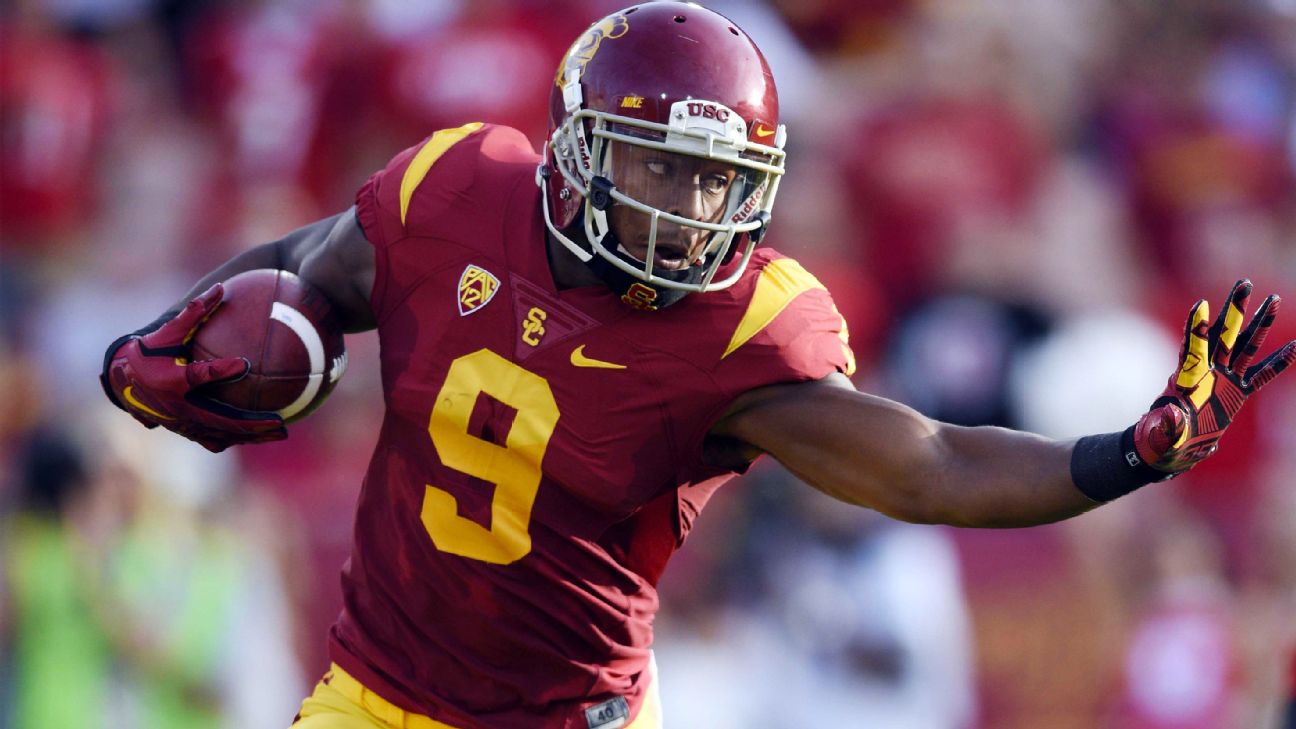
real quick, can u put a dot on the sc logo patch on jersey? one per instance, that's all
(477, 287)
(533, 326)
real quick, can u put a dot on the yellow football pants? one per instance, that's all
(341, 702)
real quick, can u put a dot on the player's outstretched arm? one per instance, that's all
(149, 373)
(874, 452)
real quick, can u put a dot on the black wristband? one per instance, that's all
(118, 342)
(1105, 467)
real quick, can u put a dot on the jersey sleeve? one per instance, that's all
(789, 331)
(435, 191)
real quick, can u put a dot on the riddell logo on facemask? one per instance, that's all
(748, 205)
(708, 111)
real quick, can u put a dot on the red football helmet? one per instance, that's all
(678, 79)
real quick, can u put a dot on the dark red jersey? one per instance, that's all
(541, 453)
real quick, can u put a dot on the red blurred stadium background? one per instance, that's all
(1014, 203)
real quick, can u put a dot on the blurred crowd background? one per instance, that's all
(1015, 202)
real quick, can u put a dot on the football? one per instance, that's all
(288, 333)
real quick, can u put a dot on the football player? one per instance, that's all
(578, 348)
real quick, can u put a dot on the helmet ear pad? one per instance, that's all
(565, 201)
(755, 236)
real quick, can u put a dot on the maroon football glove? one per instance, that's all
(1214, 379)
(150, 377)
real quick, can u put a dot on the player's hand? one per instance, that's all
(1214, 379)
(151, 378)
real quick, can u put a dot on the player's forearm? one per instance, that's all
(267, 255)
(286, 254)
(973, 477)
(877, 453)
(995, 477)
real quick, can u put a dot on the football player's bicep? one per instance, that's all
(858, 448)
(342, 267)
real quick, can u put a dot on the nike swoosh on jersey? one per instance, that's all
(579, 359)
(128, 395)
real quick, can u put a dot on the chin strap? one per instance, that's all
(636, 292)
(633, 292)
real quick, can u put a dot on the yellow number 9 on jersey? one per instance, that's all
(514, 467)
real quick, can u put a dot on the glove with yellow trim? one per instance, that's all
(148, 374)
(1214, 379)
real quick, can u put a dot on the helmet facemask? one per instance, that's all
(704, 140)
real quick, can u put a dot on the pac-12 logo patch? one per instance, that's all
(477, 287)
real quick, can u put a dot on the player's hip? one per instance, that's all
(340, 701)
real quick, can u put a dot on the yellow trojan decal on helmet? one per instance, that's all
(583, 50)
